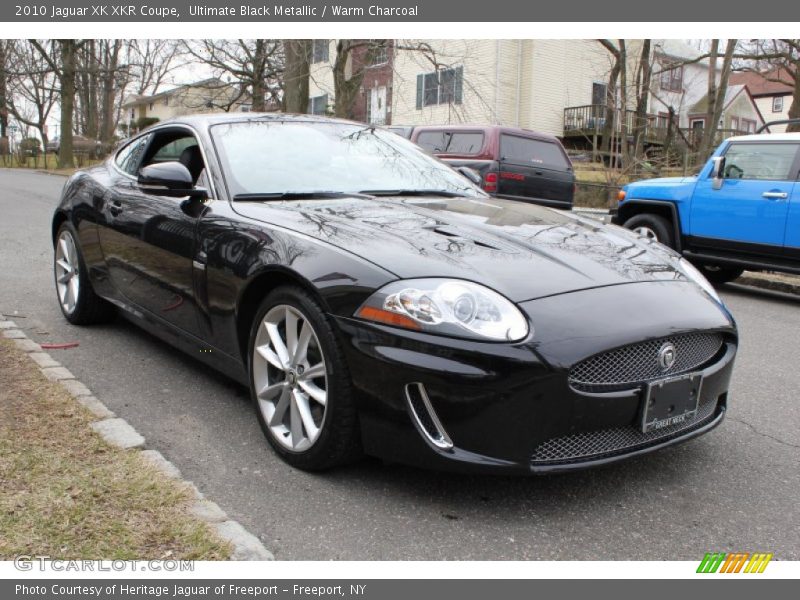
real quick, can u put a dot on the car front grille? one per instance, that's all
(619, 440)
(630, 366)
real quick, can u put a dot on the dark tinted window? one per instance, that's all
(455, 142)
(129, 158)
(526, 151)
(465, 143)
(432, 141)
(760, 161)
(174, 149)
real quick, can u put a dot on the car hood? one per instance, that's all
(523, 251)
(662, 181)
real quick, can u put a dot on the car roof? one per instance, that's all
(502, 128)
(767, 137)
(208, 119)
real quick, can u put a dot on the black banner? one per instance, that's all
(396, 11)
(398, 589)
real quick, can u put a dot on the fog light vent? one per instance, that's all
(425, 417)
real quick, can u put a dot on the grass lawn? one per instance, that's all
(66, 493)
(48, 162)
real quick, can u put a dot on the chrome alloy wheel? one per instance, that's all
(289, 377)
(647, 232)
(67, 267)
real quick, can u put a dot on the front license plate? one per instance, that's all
(670, 401)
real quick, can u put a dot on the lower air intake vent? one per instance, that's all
(425, 418)
(620, 440)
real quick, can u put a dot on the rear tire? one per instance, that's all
(654, 227)
(78, 302)
(300, 384)
(719, 274)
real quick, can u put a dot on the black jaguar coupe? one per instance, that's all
(376, 301)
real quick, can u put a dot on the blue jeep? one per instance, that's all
(741, 212)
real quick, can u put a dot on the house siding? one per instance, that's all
(481, 95)
(764, 104)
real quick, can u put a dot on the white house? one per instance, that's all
(771, 92)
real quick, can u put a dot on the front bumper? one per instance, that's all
(510, 407)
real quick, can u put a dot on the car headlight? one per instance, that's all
(448, 307)
(694, 274)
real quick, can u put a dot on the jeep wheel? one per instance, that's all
(653, 227)
(718, 274)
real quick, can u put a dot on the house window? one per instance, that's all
(152, 104)
(440, 87)
(671, 77)
(697, 124)
(777, 104)
(748, 126)
(380, 52)
(319, 51)
(735, 123)
(318, 105)
(599, 94)
(662, 122)
(166, 100)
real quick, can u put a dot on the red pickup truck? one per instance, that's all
(518, 164)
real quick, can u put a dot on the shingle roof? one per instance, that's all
(759, 84)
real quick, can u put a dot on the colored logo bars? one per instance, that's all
(734, 562)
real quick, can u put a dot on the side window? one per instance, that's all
(129, 158)
(527, 151)
(761, 161)
(464, 142)
(432, 141)
(451, 142)
(174, 149)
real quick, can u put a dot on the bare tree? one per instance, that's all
(33, 87)
(607, 142)
(151, 63)
(715, 100)
(5, 45)
(61, 58)
(255, 66)
(348, 71)
(296, 75)
(644, 72)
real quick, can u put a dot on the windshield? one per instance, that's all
(276, 157)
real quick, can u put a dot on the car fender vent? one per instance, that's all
(425, 418)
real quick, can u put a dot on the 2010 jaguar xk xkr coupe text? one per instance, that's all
(374, 300)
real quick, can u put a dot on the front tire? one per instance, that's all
(76, 298)
(654, 227)
(300, 384)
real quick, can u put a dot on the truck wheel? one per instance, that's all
(653, 227)
(719, 274)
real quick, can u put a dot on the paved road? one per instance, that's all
(734, 489)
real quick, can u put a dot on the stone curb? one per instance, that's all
(118, 432)
(769, 284)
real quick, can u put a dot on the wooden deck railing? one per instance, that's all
(589, 121)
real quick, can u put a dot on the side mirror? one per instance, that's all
(470, 174)
(717, 172)
(169, 179)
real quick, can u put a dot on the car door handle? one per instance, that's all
(775, 195)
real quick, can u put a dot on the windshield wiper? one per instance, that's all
(310, 195)
(440, 193)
